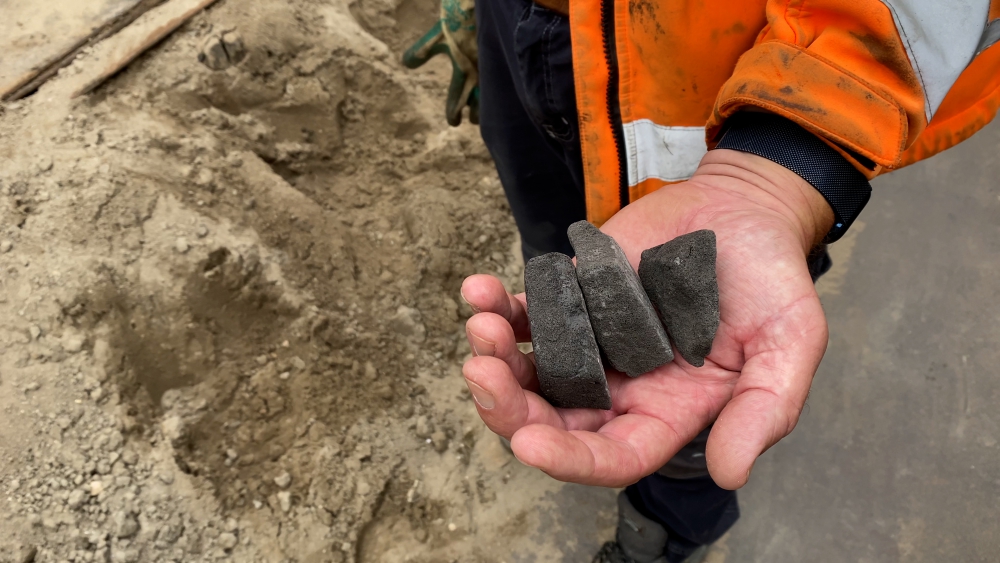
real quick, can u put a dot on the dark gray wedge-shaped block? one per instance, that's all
(568, 361)
(679, 277)
(625, 323)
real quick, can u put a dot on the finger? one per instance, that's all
(769, 394)
(490, 334)
(426, 47)
(623, 451)
(486, 294)
(505, 407)
(458, 95)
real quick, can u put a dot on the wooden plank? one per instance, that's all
(100, 34)
(39, 38)
(115, 53)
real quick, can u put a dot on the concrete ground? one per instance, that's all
(896, 456)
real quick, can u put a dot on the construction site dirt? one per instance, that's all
(230, 322)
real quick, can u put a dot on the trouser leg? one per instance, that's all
(528, 119)
(682, 497)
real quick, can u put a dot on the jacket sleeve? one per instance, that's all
(868, 76)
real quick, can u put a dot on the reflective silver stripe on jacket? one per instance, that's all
(668, 153)
(941, 38)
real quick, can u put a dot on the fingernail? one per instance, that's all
(481, 346)
(471, 306)
(483, 397)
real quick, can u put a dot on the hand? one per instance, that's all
(455, 35)
(753, 385)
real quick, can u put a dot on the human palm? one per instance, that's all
(771, 337)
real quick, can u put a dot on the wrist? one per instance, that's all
(788, 144)
(773, 187)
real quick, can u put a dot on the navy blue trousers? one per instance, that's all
(529, 122)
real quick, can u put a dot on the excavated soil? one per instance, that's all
(230, 325)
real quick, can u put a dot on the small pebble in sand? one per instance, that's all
(284, 480)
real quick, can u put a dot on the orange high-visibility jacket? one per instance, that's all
(885, 82)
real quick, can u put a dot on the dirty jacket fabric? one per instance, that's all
(884, 82)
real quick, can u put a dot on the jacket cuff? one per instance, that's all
(782, 141)
(826, 99)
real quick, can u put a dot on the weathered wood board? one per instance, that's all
(37, 37)
(113, 54)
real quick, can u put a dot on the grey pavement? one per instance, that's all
(896, 456)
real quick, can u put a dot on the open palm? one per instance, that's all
(753, 385)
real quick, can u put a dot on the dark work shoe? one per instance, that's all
(640, 540)
(611, 552)
(698, 555)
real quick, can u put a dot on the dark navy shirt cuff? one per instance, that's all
(783, 141)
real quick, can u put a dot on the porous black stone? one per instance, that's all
(625, 323)
(568, 361)
(679, 276)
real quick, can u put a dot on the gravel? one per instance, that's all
(76, 499)
(126, 525)
(285, 501)
(284, 480)
(227, 540)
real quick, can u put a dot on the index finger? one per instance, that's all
(486, 294)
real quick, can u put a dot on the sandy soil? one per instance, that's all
(230, 325)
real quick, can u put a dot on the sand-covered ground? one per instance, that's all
(230, 325)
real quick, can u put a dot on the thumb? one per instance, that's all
(769, 394)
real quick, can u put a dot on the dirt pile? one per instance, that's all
(229, 324)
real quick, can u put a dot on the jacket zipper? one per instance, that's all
(614, 105)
